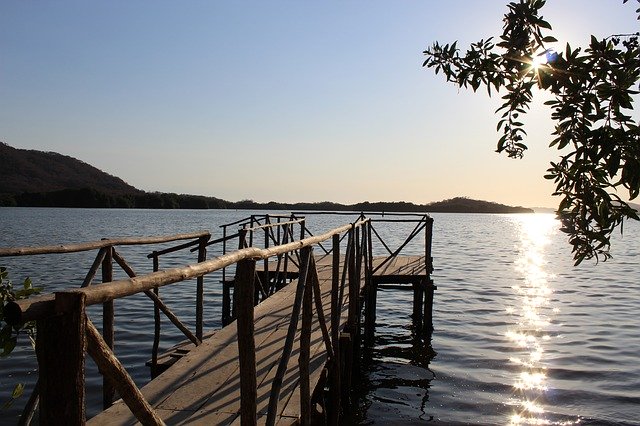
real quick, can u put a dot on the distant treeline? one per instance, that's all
(92, 198)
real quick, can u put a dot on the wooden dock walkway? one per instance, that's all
(294, 332)
(203, 387)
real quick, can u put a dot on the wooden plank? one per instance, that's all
(185, 386)
(203, 386)
(174, 353)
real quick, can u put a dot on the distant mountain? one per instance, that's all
(467, 205)
(32, 171)
(31, 178)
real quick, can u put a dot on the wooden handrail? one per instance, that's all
(40, 306)
(275, 224)
(93, 245)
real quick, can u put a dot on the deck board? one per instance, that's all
(203, 387)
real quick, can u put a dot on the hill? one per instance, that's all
(31, 178)
(467, 205)
(37, 171)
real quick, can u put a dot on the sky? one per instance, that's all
(275, 100)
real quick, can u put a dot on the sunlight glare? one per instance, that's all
(534, 315)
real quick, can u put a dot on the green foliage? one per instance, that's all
(593, 92)
(9, 334)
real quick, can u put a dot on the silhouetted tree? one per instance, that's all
(592, 88)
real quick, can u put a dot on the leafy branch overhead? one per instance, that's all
(593, 91)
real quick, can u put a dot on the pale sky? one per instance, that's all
(275, 100)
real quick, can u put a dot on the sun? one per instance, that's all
(545, 58)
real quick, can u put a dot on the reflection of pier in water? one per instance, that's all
(266, 365)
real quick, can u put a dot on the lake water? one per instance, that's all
(521, 336)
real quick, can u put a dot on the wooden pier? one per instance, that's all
(296, 320)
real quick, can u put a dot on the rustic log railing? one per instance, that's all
(61, 381)
(276, 230)
(63, 326)
(104, 259)
(422, 285)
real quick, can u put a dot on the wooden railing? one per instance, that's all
(423, 287)
(43, 306)
(276, 230)
(63, 326)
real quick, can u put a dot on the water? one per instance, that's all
(521, 336)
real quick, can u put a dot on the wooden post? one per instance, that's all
(276, 385)
(278, 232)
(428, 239)
(428, 306)
(242, 236)
(202, 256)
(224, 270)
(305, 347)
(317, 297)
(428, 286)
(358, 280)
(266, 283)
(287, 232)
(156, 322)
(60, 349)
(352, 280)
(108, 391)
(251, 232)
(346, 356)
(245, 289)
(354, 287)
(418, 299)
(334, 412)
(226, 303)
(372, 289)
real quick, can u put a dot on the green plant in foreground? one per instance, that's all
(593, 90)
(8, 333)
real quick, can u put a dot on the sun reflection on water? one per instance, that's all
(533, 312)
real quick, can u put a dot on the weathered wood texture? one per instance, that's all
(94, 245)
(203, 387)
(35, 307)
(111, 367)
(402, 269)
(60, 349)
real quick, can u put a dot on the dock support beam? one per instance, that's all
(108, 391)
(370, 311)
(427, 325)
(245, 291)
(418, 303)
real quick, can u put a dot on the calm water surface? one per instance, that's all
(521, 336)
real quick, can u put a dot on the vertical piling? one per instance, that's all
(60, 349)
(245, 290)
(156, 322)
(108, 391)
(334, 411)
(202, 256)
